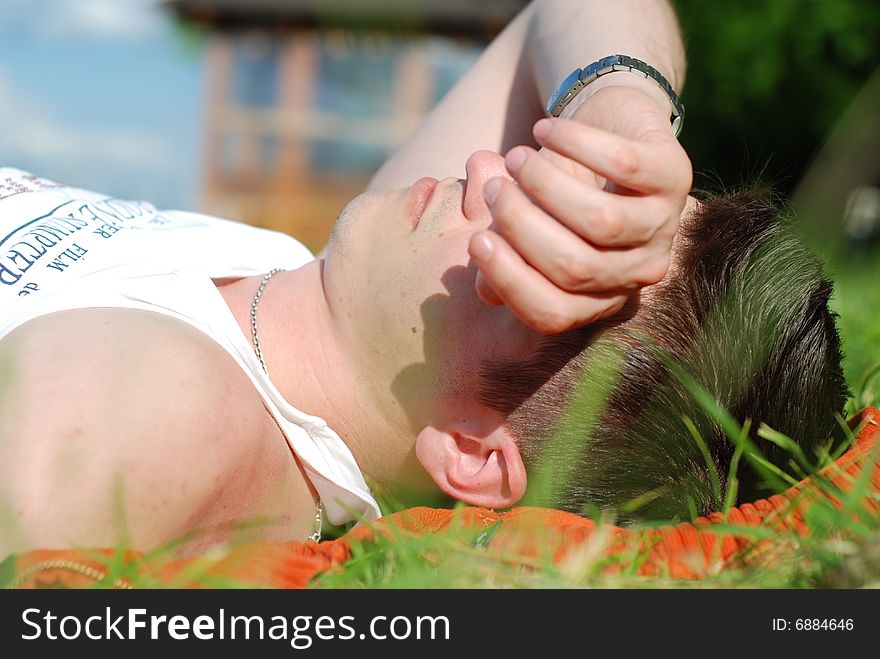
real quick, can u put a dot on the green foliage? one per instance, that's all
(766, 83)
(768, 79)
(857, 301)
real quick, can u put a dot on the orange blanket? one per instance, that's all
(687, 550)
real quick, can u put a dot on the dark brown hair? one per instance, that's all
(745, 312)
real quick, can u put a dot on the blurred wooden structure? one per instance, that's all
(305, 98)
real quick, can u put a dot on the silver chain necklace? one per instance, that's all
(319, 508)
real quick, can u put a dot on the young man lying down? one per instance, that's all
(183, 372)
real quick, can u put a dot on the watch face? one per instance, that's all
(564, 93)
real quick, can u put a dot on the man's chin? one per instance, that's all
(350, 225)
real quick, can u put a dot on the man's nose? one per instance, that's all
(481, 167)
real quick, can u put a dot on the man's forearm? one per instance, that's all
(496, 103)
(567, 34)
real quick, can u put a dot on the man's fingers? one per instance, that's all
(603, 218)
(530, 296)
(564, 258)
(485, 292)
(644, 166)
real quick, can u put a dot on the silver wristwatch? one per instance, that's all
(580, 78)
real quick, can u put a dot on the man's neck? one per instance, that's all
(308, 359)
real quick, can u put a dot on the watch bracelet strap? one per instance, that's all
(607, 65)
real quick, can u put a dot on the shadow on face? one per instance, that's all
(448, 319)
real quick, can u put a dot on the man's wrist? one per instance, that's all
(619, 79)
(583, 78)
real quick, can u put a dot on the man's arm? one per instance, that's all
(496, 103)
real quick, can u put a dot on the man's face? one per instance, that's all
(398, 267)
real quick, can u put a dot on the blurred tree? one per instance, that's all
(767, 80)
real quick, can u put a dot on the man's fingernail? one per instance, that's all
(515, 158)
(481, 247)
(542, 128)
(491, 190)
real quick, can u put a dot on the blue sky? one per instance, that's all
(105, 94)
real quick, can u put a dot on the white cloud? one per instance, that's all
(106, 20)
(29, 130)
(54, 141)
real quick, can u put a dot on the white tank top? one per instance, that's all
(65, 248)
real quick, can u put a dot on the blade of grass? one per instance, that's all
(732, 481)
(707, 457)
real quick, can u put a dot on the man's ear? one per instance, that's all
(481, 466)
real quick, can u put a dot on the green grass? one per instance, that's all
(857, 301)
(840, 551)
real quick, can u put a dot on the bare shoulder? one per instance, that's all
(101, 399)
(152, 368)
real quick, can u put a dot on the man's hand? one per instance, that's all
(593, 215)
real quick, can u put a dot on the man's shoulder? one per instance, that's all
(109, 402)
(146, 373)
